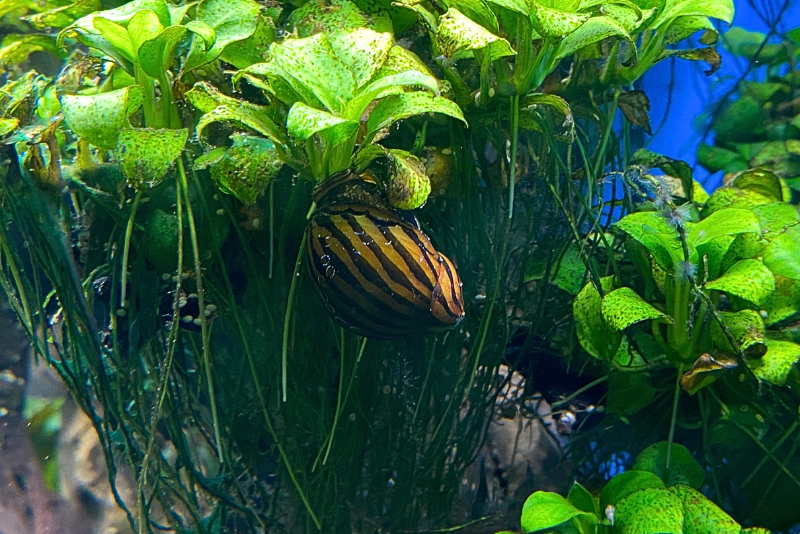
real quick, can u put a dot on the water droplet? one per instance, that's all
(330, 272)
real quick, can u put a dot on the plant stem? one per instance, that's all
(675, 398)
(204, 326)
(126, 251)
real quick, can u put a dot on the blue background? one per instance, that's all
(693, 92)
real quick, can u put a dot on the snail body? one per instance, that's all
(377, 272)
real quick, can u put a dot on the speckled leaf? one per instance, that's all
(362, 51)
(622, 308)
(398, 107)
(623, 484)
(99, 118)
(248, 117)
(17, 48)
(748, 279)
(715, 159)
(776, 364)
(783, 302)
(231, 20)
(248, 51)
(478, 11)
(320, 16)
(595, 336)
(304, 121)
(782, 255)
(700, 515)
(457, 32)
(776, 217)
(687, 25)
(649, 511)
(731, 197)
(145, 154)
(761, 181)
(312, 63)
(7, 126)
(246, 168)
(746, 327)
(683, 468)
(408, 186)
(593, 30)
(205, 97)
(555, 23)
(401, 60)
(385, 86)
(627, 16)
(544, 510)
(62, 16)
(156, 55)
(202, 30)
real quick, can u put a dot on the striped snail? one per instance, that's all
(377, 272)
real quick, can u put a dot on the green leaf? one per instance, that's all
(730, 221)
(246, 168)
(567, 272)
(145, 154)
(313, 64)
(628, 393)
(62, 16)
(142, 27)
(408, 186)
(687, 25)
(204, 31)
(544, 510)
(251, 50)
(478, 11)
(716, 159)
(622, 308)
(304, 121)
(16, 48)
(457, 32)
(748, 279)
(582, 499)
(386, 86)
(719, 9)
(595, 336)
(776, 364)
(231, 20)
(519, 6)
(649, 511)
(683, 468)
(746, 327)
(250, 117)
(782, 255)
(319, 16)
(784, 302)
(593, 30)
(99, 118)
(731, 197)
(626, 483)
(398, 107)
(741, 121)
(761, 181)
(555, 23)
(156, 55)
(652, 230)
(362, 51)
(117, 35)
(701, 515)
(7, 126)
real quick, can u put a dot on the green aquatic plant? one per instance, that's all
(162, 183)
(655, 496)
(709, 289)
